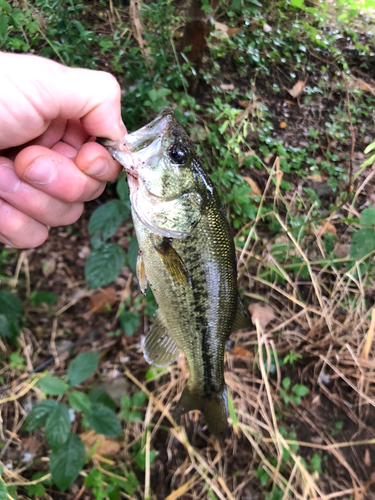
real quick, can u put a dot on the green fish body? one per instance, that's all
(187, 256)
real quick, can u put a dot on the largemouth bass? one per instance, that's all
(187, 256)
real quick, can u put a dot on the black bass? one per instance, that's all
(187, 256)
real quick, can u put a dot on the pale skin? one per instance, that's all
(49, 164)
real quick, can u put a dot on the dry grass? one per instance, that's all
(324, 319)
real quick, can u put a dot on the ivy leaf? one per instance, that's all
(104, 421)
(79, 401)
(38, 415)
(107, 218)
(52, 385)
(67, 462)
(300, 390)
(57, 426)
(129, 322)
(82, 367)
(104, 264)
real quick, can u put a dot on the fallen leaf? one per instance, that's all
(267, 28)
(263, 313)
(103, 300)
(282, 125)
(290, 103)
(240, 352)
(359, 84)
(316, 177)
(227, 86)
(326, 227)
(342, 250)
(254, 186)
(233, 31)
(106, 446)
(48, 266)
(221, 27)
(244, 104)
(297, 89)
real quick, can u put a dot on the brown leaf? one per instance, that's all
(106, 446)
(297, 89)
(244, 104)
(227, 86)
(221, 27)
(316, 178)
(240, 352)
(282, 125)
(254, 186)
(342, 250)
(263, 313)
(103, 300)
(233, 31)
(326, 227)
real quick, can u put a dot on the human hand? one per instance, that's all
(49, 164)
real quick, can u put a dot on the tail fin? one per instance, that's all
(213, 406)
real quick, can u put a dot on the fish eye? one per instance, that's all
(178, 155)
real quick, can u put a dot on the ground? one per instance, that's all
(282, 114)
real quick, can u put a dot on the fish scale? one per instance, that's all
(188, 256)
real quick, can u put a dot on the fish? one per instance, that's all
(187, 256)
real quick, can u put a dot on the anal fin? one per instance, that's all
(159, 348)
(242, 319)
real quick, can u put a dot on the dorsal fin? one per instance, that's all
(242, 319)
(159, 348)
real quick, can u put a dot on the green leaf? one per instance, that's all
(3, 27)
(367, 216)
(138, 399)
(104, 421)
(67, 462)
(52, 385)
(10, 305)
(57, 427)
(104, 264)
(129, 322)
(82, 367)
(79, 401)
(133, 253)
(122, 189)
(300, 390)
(100, 396)
(316, 463)
(3, 490)
(38, 298)
(363, 242)
(107, 218)
(286, 383)
(38, 415)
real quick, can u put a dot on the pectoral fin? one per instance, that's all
(242, 319)
(172, 262)
(141, 273)
(159, 348)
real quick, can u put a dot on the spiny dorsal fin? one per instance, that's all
(172, 262)
(242, 319)
(159, 348)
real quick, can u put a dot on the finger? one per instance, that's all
(18, 229)
(56, 175)
(33, 202)
(95, 161)
(75, 134)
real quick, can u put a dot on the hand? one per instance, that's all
(49, 164)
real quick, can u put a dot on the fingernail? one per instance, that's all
(9, 180)
(43, 171)
(98, 167)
